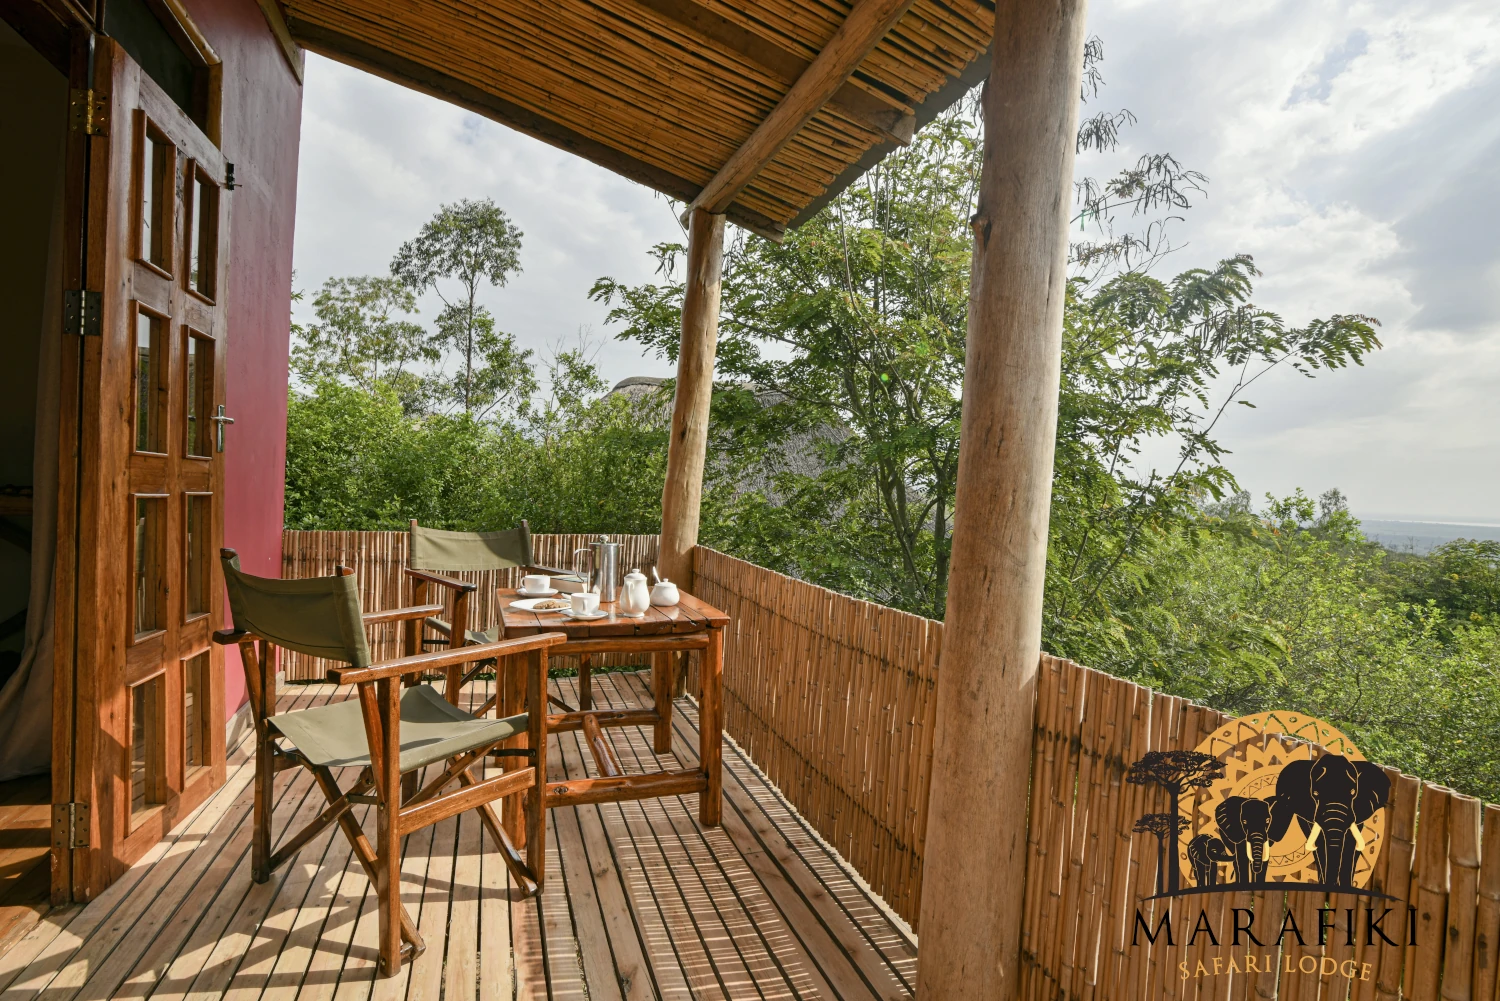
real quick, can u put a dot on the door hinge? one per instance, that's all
(82, 312)
(90, 113)
(70, 825)
(228, 176)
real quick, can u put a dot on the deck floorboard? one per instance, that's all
(640, 902)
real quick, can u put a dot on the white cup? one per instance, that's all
(536, 583)
(584, 602)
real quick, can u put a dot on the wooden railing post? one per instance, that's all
(975, 860)
(683, 491)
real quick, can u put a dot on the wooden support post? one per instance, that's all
(683, 492)
(975, 862)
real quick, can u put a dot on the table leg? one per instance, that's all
(585, 682)
(710, 728)
(661, 691)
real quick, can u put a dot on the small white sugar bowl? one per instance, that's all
(664, 593)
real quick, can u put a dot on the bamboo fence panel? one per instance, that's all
(1087, 873)
(832, 698)
(378, 559)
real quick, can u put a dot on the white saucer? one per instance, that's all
(536, 594)
(584, 615)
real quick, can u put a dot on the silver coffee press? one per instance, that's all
(603, 574)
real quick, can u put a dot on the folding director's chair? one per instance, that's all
(387, 732)
(433, 554)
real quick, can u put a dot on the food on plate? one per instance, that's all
(551, 604)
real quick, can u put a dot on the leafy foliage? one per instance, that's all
(579, 462)
(361, 337)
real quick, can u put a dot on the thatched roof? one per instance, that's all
(665, 91)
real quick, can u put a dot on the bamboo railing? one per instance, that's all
(378, 559)
(1087, 873)
(833, 698)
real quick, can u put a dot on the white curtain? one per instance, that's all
(26, 699)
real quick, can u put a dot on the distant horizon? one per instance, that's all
(1475, 521)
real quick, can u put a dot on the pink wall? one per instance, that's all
(262, 119)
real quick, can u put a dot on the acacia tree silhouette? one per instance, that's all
(1175, 771)
(1164, 826)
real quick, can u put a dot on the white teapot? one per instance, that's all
(634, 598)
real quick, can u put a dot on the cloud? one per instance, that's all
(1350, 147)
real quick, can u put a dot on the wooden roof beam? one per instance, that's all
(880, 113)
(861, 31)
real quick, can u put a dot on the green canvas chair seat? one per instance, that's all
(431, 731)
(474, 636)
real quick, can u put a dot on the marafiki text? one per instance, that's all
(1245, 928)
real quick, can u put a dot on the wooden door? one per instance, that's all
(148, 702)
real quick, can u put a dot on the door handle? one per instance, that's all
(219, 421)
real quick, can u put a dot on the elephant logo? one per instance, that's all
(1274, 799)
(1330, 797)
(1205, 852)
(1246, 824)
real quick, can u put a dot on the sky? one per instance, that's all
(1351, 147)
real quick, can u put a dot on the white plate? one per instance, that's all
(537, 594)
(529, 604)
(584, 615)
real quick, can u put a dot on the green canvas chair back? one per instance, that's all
(436, 550)
(319, 616)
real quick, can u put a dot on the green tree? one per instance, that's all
(1148, 359)
(469, 242)
(848, 340)
(361, 335)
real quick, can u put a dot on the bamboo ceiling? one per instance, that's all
(664, 91)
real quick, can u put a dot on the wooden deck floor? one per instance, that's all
(640, 902)
(25, 835)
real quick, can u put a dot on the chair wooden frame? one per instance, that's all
(380, 783)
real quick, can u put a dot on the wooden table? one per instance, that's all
(691, 624)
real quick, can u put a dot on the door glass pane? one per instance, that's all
(148, 759)
(199, 529)
(200, 395)
(150, 393)
(203, 238)
(195, 710)
(157, 169)
(150, 535)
